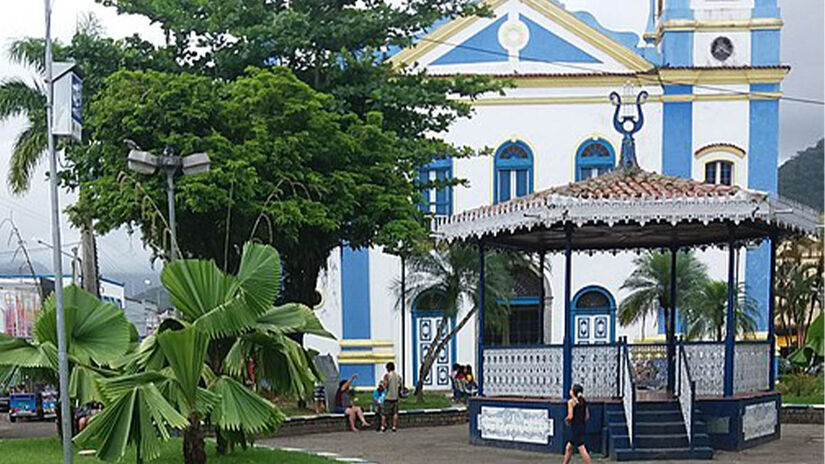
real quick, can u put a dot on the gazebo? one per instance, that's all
(718, 395)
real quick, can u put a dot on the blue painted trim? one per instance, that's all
(545, 46)
(677, 9)
(483, 47)
(677, 48)
(521, 301)
(480, 332)
(444, 195)
(765, 9)
(764, 47)
(628, 39)
(609, 311)
(365, 372)
(510, 165)
(594, 162)
(677, 137)
(355, 293)
(763, 155)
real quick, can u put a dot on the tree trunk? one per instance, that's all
(300, 274)
(432, 354)
(193, 445)
(89, 259)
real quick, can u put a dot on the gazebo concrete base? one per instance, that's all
(734, 423)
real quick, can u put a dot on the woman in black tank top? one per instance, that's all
(577, 416)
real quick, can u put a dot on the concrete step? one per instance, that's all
(656, 454)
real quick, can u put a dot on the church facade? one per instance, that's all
(713, 74)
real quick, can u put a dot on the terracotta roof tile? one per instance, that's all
(624, 184)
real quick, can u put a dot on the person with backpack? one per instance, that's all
(392, 384)
(577, 416)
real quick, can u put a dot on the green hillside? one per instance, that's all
(801, 177)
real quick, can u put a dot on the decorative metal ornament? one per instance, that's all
(627, 123)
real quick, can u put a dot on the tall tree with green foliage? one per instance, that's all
(337, 48)
(649, 285)
(704, 312)
(96, 57)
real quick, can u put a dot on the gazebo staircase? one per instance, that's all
(660, 434)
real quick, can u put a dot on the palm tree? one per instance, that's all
(447, 278)
(20, 98)
(706, 310)
(98, 336)
(799, 285)
(229, 334)
(649, 285)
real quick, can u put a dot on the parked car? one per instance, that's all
(25, 405)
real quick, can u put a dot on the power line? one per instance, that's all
(596, 72)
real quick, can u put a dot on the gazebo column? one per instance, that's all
(671, 328)
(730, 320)
(480, 334)
(567, 374)
(541, 298)
(772, 313)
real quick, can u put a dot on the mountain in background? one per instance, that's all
(801, 177)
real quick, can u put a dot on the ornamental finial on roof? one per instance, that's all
(627, 120)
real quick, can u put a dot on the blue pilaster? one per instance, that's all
(355, 311)
(765, 47)
(480, 334)
(677, 136)
(765, 9)
(730, 325)
(763, 155)
(567, 368)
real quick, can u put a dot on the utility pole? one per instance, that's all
(62, 361)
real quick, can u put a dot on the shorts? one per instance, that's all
(390, 407)
(576, 437)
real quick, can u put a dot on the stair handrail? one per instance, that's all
(629, 398)
(686, 393)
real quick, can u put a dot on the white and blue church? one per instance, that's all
(713, 74)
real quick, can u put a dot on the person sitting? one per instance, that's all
(345, 403)
(470, 385)
(319, 394)
(458, 383)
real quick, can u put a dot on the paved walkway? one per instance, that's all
(25, 429)
(448, 445)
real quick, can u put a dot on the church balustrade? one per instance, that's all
(596, 368)
(535, 372)
(707, 364)
(751, 366)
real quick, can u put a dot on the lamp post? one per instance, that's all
(168, 163)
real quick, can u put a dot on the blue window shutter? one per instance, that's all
(503, 185)
(441, 194)
(521, 182)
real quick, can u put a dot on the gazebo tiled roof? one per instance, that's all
(628, 184)
(630, 208)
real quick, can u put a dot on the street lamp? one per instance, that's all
(168, 163)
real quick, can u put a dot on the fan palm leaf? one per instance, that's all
(240, 409)
(705, 311)
(97, 331)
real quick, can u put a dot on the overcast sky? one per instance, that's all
(122, 255)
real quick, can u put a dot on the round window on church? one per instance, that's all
(721, 48)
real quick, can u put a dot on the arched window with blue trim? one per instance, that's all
(594, 316)
(436, 199)
(594, 158)
(513, 172)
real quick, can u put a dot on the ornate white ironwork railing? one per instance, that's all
(649, 365)
(707, 363)
(628, 392)
(751, 366)
(686, 388)
(596, 368)
(535, 372)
